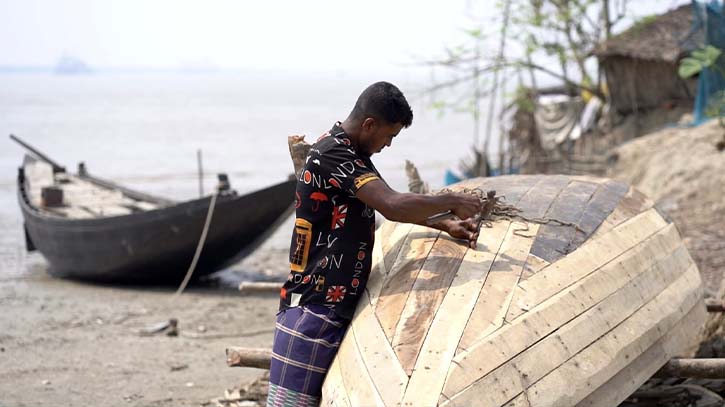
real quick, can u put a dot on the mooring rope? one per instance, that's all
(199, 246)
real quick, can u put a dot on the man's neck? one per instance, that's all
(352, 130)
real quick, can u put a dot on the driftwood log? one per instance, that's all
(259, 358)
(251, 287)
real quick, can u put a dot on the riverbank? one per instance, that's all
(67, 343)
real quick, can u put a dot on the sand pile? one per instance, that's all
(683, 171)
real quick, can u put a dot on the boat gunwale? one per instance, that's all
(131, 219)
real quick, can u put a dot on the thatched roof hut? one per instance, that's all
(641, 63)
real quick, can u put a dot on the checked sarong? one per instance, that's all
(306, 339)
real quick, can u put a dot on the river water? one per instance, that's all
(143, 130)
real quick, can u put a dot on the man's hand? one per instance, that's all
(465, 206)
(461, 229)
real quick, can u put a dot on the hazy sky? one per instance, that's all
(306, 35)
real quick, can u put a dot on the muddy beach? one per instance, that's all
(69, 343)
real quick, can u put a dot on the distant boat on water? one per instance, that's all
(70, 65)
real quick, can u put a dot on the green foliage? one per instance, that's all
(699, 60)
(706, 58)
(524, 100)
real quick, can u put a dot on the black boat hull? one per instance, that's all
(156, 245)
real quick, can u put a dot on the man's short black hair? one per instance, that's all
(383, 101)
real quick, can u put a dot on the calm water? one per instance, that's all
(144, 131)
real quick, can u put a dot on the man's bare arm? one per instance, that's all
(415, 208)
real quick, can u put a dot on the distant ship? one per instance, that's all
(70, 65)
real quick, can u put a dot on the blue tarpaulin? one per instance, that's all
(710, 18)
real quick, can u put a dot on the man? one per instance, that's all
(338, 192)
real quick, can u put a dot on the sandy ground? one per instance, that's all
(684, 172)
(67, 343)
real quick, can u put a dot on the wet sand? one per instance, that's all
(69, 343)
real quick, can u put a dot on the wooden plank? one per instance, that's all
(496, 294)
(590, 256)
(533, 265)
(606, 198)
(632, 204)
(610, 354)
(392, 241)
(452, 316)
(552, 350)
(556, 311)
(488, 183)
(518, 402)
(514, 189)
(554, 240)
(334, 393)
(428, 291)
(378, 269)
(538, 200)
(389, 240)
(402, 275)
(381, 362)
(360, 389)
(624, 383)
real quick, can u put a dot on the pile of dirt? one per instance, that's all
(684, 172)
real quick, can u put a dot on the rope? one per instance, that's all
(199, 246)
(493, 208)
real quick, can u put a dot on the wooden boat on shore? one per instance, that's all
(578, 308)
(102, 231)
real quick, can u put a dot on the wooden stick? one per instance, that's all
(259, 287)
(259, 358)
(694, 368)
(298, 150)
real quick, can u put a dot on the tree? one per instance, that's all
(532, 34)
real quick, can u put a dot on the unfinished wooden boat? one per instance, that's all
(577, 311)
(103, 231)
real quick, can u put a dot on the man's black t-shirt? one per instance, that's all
(332, 241)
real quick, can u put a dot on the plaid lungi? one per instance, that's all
(306, 339)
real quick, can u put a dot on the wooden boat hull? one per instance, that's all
(576, 312)
(156, 245)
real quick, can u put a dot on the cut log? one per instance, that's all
(259, 358)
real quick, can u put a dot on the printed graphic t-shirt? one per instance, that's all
(332, 241)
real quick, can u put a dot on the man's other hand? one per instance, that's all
(465, 206)
(461, 229)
